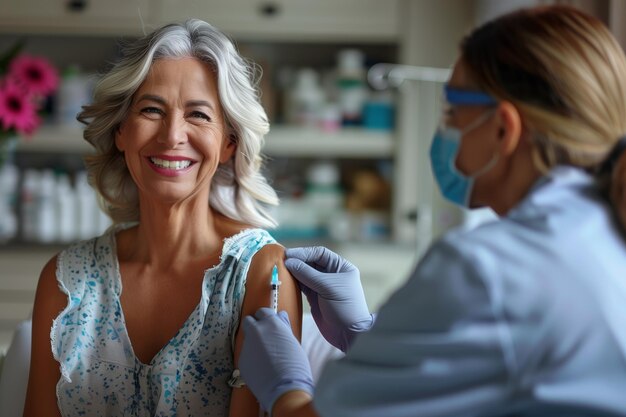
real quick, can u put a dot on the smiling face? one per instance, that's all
(175, 136)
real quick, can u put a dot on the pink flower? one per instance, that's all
(17, 109)
(35, 74)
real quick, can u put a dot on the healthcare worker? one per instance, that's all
(522, 316)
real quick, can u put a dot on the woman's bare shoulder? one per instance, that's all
(268, 256)
(265, 258)
(49, 299)
(258, 287)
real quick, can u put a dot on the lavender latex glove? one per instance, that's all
(272, 361)
(332, 286)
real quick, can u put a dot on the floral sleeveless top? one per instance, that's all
(100, 374)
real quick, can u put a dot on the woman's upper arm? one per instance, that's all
(44, 369)
(258, 294)
(258, 289)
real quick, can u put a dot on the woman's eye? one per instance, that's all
(199, 115)
(152, 111)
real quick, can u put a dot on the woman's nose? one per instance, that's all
(173, 132)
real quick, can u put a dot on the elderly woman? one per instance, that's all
(144, 319)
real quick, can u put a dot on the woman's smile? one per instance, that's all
(170, 166)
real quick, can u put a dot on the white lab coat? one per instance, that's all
(522, 316)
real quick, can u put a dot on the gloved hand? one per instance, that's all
(272, 362)
(332, 286)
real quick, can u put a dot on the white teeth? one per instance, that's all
(175, 165)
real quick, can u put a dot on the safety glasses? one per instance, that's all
(459, 97)
(456, 97)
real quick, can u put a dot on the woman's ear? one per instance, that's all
(510, 129)
(229, 147)
(119, 143)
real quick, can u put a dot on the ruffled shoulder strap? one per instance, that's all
(241, 248)
(246, 243)
(82, 271)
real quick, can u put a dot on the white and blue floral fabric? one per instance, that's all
(100, 373)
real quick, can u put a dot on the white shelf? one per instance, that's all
(349, 142)
(281, 141)
(57, 139)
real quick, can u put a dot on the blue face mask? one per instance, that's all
(454, 185)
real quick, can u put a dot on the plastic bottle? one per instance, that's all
(9, 176)
(351, 85)
(86, 208)
(305, 99)
(330, 118)
(378, 111)
(74, 92)
(29, 199)
(65, 209)
(46, 209)
(324, 192)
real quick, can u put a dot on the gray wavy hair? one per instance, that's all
(238, 189)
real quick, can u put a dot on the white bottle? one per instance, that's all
(352, 89)
(9, 176)
(74, 92)
(86, 208)
(65, 209)
(306, 99)
(28, 203)
(46, 208)
(324, 191)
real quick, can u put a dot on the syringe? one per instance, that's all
(275, 283)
